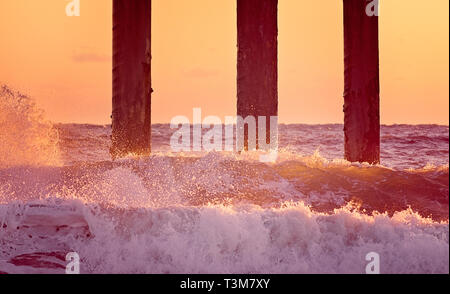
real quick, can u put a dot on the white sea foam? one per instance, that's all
(308, 212)
(230, 239)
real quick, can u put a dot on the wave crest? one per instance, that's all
(26, 138)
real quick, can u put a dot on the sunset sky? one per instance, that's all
(65, 62)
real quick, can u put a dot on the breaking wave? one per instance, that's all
(167, 215)
(308, 212)
(217, 239)
(26, 138)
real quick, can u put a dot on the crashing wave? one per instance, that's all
(26, 138)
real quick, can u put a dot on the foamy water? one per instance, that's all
(308, 212)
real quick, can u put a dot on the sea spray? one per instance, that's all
(26, 138)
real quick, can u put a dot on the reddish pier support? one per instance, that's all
(257, 65)
(362, 85)
(131, 115)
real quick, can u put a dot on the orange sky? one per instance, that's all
(65, 62)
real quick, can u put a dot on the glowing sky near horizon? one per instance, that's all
(65, 62)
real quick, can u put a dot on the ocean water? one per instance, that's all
(310, 211)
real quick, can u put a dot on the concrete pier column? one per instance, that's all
(362, 85)
(131, 102)
(257, 64)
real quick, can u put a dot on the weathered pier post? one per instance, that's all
(257, 65)
(362, 85)
(131, 102)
